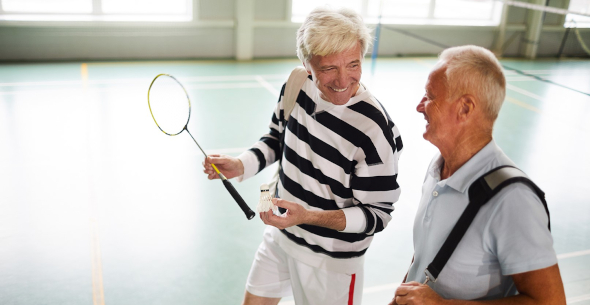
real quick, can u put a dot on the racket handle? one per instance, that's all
(230, 188)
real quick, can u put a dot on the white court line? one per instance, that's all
(209, 86)
(386, 287)
(524, 92)
(522, 104)
(268, 86)
(578, 299)
(224, 151)
(573, 254)
(202, 79)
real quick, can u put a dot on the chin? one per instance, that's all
(338, 100)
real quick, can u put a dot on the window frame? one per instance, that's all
(570, 19)
(430, 19)
(97, 16)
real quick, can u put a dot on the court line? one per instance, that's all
(211, 86)
(522, 104)
(573, 254)
(220, 151)
(268, 86)
(524, 92)
(578, 299)
(423, 63)
(97, 282)
(204, 79)
(386, 287)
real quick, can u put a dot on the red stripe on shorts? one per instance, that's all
(351, 290)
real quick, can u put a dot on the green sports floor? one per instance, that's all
(97, 206)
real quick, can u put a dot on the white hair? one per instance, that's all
(475, 70)
(327, 31)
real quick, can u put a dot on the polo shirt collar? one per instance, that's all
(473, 168)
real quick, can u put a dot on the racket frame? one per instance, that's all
(230, 188)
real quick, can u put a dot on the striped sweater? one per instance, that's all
(333, 157)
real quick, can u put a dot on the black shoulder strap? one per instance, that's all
(480, 192)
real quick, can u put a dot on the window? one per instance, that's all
(96, 10)
(437, 12)
(580, 6)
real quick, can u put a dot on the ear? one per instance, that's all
(306, 67)
(466, 104)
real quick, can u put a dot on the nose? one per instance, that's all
(342, 78)
(420, 107)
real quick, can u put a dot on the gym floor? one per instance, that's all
(97, 206)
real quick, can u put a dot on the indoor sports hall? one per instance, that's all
(98, 206)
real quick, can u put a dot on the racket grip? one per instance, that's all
(230, 188)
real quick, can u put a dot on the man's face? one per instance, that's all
(439, 113)
(337, 75)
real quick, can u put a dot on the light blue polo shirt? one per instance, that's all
(509, 235)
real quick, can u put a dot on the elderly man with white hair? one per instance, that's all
(506, 254)
(338, 154)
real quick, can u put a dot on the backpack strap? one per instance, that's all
(294, 84)
(292, 88)
(480, 192)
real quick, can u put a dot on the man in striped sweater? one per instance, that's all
(338, 153)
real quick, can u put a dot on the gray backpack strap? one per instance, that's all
(294, 84)
(480, 192)
(292, 89)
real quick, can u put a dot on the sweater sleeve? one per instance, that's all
(267, 150)
(374, 186)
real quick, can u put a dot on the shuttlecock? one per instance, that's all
(265, 204)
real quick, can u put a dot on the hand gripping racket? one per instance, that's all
(168, 99)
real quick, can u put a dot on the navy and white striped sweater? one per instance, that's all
(334, 157)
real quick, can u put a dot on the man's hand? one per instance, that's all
(230, 167)
(414, 293)
(295, 214)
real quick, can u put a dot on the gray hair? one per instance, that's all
(326, 31)
(475, 70)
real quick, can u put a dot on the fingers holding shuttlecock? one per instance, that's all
(265, 203)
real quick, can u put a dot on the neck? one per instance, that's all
(461, 152)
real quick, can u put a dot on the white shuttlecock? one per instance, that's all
(265, 204)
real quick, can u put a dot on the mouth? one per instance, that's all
(339, 90)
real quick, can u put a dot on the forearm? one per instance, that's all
(513, 300)
(328, 219)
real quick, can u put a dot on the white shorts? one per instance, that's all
(275, 274)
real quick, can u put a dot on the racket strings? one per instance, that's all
(169, 104)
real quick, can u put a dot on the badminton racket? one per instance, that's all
(170, 107)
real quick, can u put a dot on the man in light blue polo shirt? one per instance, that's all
(507, 253)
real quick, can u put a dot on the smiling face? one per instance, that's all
(439, 113)
(337, 75)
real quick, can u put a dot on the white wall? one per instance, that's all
(213, 34)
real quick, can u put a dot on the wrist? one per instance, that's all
(240, 167)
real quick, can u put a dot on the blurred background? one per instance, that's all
(97, 206)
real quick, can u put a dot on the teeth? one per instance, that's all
(339, 90)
